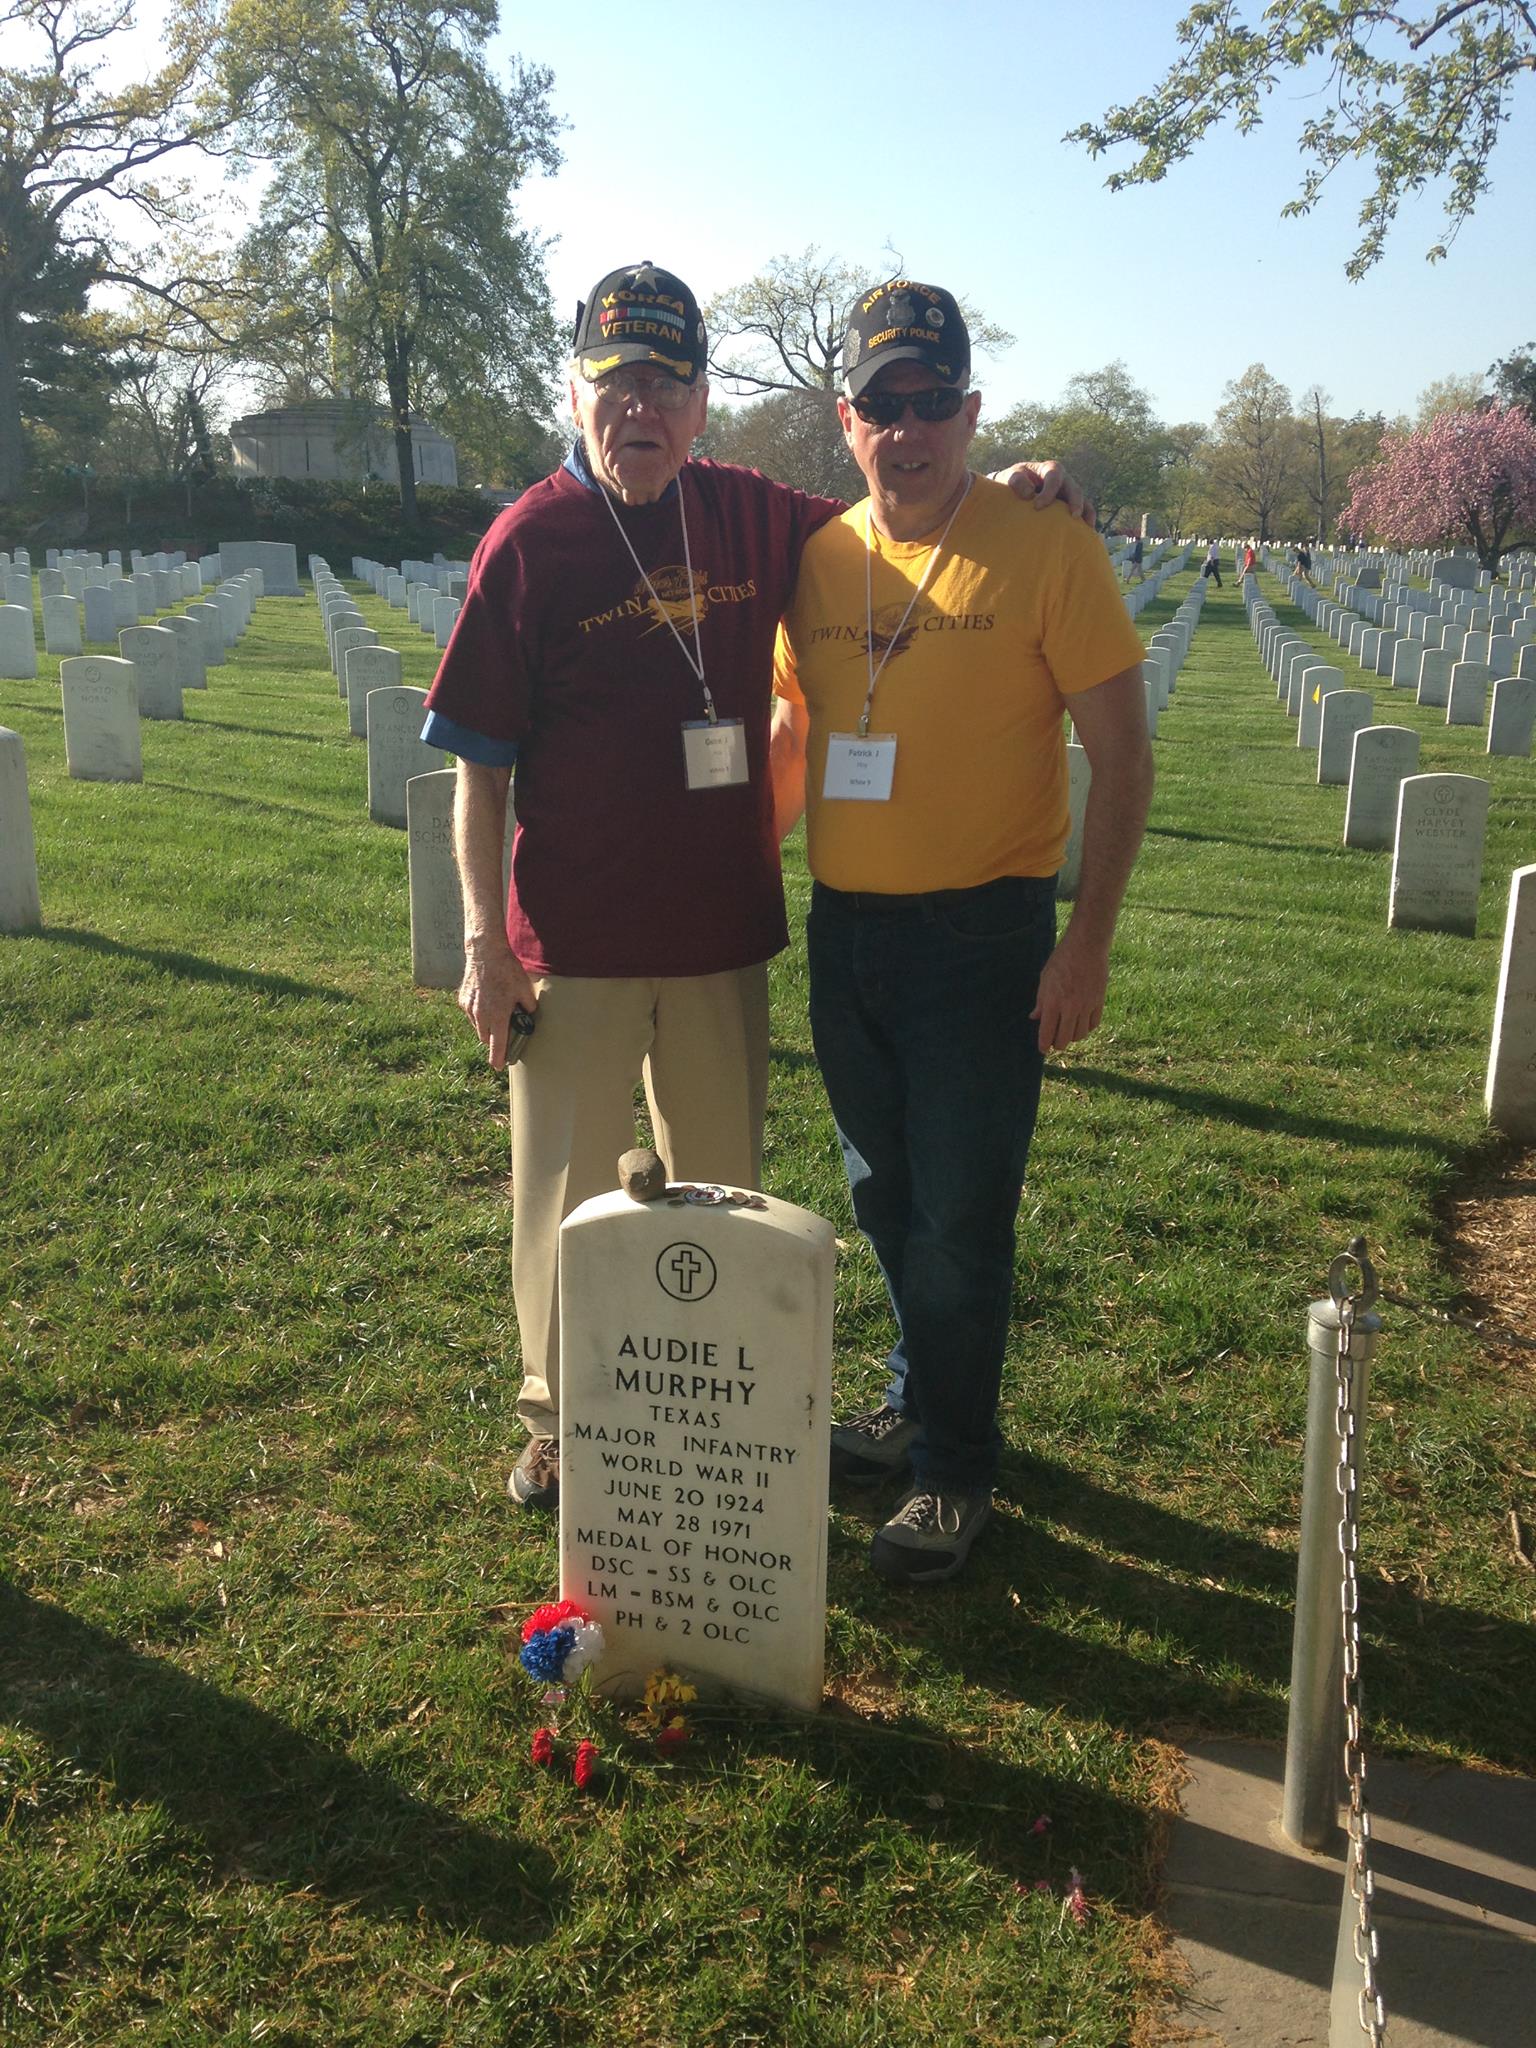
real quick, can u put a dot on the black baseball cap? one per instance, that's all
(640, 315)
(903, 321)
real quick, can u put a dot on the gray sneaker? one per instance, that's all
(930, 1536)
(535, 1478)
(871, 1447)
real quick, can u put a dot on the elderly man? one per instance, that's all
(937, 635)
(616, 645)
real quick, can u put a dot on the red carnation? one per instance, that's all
(554, 1615)
(543, 1750)
(671, 1737)
(584, 1769)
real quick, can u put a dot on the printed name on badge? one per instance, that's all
(715, 756)
(861, 766)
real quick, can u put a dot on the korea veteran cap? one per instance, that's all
(905, 322)
(641, 315)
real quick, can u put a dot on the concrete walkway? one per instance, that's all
(1256, 1920)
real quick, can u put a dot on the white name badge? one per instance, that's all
(860, 766)
(715, 755)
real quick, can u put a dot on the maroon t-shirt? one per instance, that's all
(618, 868)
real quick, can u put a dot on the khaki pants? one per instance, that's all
(701, 1046)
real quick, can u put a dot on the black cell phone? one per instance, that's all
(520, 1029)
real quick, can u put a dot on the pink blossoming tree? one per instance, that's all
(1465, 477)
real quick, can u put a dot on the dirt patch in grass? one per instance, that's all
(1492, 1231)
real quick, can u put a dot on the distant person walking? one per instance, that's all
(1304, 563)
(1250, 562)
(1136, 558)
(1210, 568)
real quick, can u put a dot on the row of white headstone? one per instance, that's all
(104, 699)
(381, 710)
(1435, 824)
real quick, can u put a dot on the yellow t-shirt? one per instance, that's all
(1021, 611)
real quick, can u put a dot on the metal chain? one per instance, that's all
(1371, 2007)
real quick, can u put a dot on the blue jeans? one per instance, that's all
(920, 1015)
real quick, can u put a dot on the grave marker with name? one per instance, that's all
(156, 669)
(18, 642)
(396, 751)
(1344, 713)
(101, 719)
(61, 626)
(21, 908)
(1437, 857)
(1514, 713)
(696, 1357)
(1383, 755)
(367, 668)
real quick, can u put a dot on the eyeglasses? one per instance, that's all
(623, 387)
(885, 408)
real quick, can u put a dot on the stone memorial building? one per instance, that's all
(334, 441)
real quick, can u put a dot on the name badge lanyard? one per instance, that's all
(877, 669)
(862, 764)
(714, 749)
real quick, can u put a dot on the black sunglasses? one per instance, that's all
(885, 408)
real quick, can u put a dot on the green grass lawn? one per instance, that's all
(263, 1761)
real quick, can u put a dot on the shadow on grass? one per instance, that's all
(1232, 1109)
(1153, 1619)
(194, 967)
(266, 1801)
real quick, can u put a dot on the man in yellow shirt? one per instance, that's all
(937, 636)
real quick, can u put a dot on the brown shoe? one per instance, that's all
(535, 1478)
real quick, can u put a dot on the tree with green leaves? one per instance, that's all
(1253, 459)
(1103, 431)
(1332, 449)
(783, 329)
(70, 141)
(793, 436)
(395, 265)
(1422, 96)
(1513, 378)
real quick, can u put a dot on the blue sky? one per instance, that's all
(714, 140)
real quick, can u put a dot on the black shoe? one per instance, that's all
(930, 1536)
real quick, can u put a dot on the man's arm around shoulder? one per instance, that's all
(1111, 722)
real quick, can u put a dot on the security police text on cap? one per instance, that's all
(903, 321)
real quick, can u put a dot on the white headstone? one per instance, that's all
(192, 668)
(1434, 676)
(1510, 1093)
(1317, 680)
(1079, 776)
(444, 611)
(101, 615)
(395, 592)
(1437, 858)
(346, 638)
(1344, 713)
(696, 1348)
(211, 620)
(1468, 693)
(18, 641)
(396, 751)
(21, 907)
(61, 626)
(367, 668)
(437, 900)
(18, 587)
(101, 719)
(1383, 755)
(278, 561)
(1514, 713)
(156, 669)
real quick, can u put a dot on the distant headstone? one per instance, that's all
(395, 593)
(1468, 694)
(100, 616)
(1437, 858)
(395, 751)
(21, 907)
(211, 620)
(101, 719)
(18, 587)
(437, 900)
(192, 667)
(1079, 775)
(1345, 712)
(696, 1347)
(1513, 715)
(1435, 677)
(61, 626)
(156, 669)
(367, 668)
(278, 561)
(1510, 1093)
(345, 639)
(1460, 571)
(1383, 756)
(18, 641)
(1317, 681)
(444, 611)
(50, 583)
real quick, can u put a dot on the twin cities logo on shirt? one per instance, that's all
(672, 603)
(891, 639)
